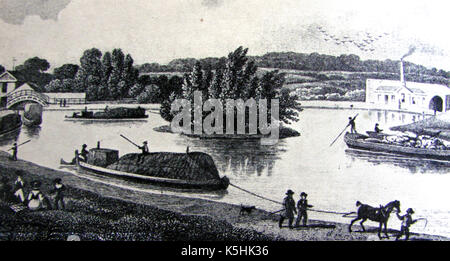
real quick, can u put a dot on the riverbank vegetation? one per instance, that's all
(113, 75)
(93, 217)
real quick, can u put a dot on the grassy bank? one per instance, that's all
(97, 211)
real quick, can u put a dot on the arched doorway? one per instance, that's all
(436, 104)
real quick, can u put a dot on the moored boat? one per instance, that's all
(9, 122)
(119, 113)
(32, 114)
(363, 142)
(193, 170)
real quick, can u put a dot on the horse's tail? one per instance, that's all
(358, 203)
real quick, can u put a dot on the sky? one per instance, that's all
(162, 30)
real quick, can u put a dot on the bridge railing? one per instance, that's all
(14, 96)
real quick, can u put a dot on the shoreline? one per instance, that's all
(97, 205)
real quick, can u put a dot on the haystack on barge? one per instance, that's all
(119, 113)
(409, 147)
(194, 170)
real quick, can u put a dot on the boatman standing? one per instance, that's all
(144, 148)
(289, 209)
(14, 151)
(351, 122)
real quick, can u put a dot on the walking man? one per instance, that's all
(289, 209)
(59, 191)
(407, 221)
(302, 206)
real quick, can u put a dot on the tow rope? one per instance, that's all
(344, 214)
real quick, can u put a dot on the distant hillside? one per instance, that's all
(316, 76)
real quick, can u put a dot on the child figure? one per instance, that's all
(59, 191)
(302, 206)
(407, 221)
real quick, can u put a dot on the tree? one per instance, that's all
(135, 90)
(53, 86)
(34, 64)
(129, 75)
(89, 74)
(33, 71)
(66, 71)
(115, 77)
(150, 94)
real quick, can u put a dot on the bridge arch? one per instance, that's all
(436, 104)
(24, 96)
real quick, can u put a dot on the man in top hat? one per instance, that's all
(289, 209)
(407, 221)
(84, 153)
(144, 148)
(302, 206)
(377, 128)
(14, 151)
(58, 189)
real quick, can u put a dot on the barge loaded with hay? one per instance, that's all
(193, 170)
(119, 113)
(429, 148)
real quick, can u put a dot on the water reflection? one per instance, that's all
(392, 118)
(414, 165)
(10, 137)
(32, 131)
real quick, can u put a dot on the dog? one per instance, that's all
(246, 209)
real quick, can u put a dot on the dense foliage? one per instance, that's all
(235, 78)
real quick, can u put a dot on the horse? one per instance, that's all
(380, 215)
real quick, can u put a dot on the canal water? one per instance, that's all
(334, 177)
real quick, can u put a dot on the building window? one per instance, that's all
(403, 97)
(413, 101)
(393, 97)
(386, 99)
(5, 87)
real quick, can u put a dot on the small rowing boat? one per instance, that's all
(364, 142)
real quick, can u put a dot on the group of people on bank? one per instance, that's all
(291, 209)
(35, 199)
